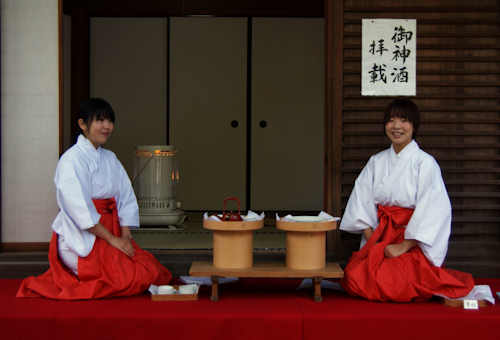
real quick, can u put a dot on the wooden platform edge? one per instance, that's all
(21, 247)
(332, 270)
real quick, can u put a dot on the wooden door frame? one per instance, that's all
(334, 64)
(1, 165)
(334, 29)
(60, 70)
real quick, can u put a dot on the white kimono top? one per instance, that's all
(84, 173)
(409, 179)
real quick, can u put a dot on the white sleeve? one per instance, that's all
(73, 185)
(128, 210)
(361, 210)
(430, 223)
(431, 219)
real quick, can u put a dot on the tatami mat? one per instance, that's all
(193, 236)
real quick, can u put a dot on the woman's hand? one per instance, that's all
(123, 244)
(126, 234)
(120, 243)
(368, 232)
(395, 250)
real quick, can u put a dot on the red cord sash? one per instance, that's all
(105, 272)
(408, 277)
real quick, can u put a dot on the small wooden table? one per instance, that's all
(266, 270)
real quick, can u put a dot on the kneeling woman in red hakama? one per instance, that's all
(400, 205)
(92, 253)
(410, 276)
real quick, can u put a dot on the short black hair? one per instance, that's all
(403, 108)
(95, 108)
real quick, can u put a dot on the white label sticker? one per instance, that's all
(471, 304)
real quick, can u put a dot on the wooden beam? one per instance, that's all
(220, 8)
(126, 8)
(337, 59)
(13, 247)
(329, 115)
(411, 10)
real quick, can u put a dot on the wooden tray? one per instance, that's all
(460, 303)
(175, 297)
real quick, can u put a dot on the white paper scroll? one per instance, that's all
(389, 54)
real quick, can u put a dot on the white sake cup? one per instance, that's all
(166, 289)
(187, 289)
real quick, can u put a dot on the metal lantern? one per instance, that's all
(156, 175)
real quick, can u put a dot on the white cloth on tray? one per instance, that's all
(322, 217)
(250, 216)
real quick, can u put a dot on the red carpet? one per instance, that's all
(251, 309)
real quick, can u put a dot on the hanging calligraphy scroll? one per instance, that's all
(389, 54)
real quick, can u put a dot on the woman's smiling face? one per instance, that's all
(99, 131)
(400, 132)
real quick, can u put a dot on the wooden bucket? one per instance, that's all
(233, 243)
(306, 243)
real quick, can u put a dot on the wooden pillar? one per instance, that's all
(334, 13)
(1, 165)
(80, 63)
(60, 70)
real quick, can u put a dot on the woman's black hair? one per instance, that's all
(95, 109)
(403, 108)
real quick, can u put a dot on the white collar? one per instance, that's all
(407, 150)
(88, 147)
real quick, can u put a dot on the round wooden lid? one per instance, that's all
(232, 225)
(310, 227)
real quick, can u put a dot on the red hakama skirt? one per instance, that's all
(410, 276)
(105, 272)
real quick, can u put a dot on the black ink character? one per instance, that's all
(377, 48)
(401, 34)
(399, 75)
(377, 73)
(403, 53)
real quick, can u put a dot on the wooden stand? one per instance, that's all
(233, 243)
(266, 270)
(306, 243)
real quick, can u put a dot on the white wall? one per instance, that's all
(128, 62)
(66, 33)
(30, 125)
